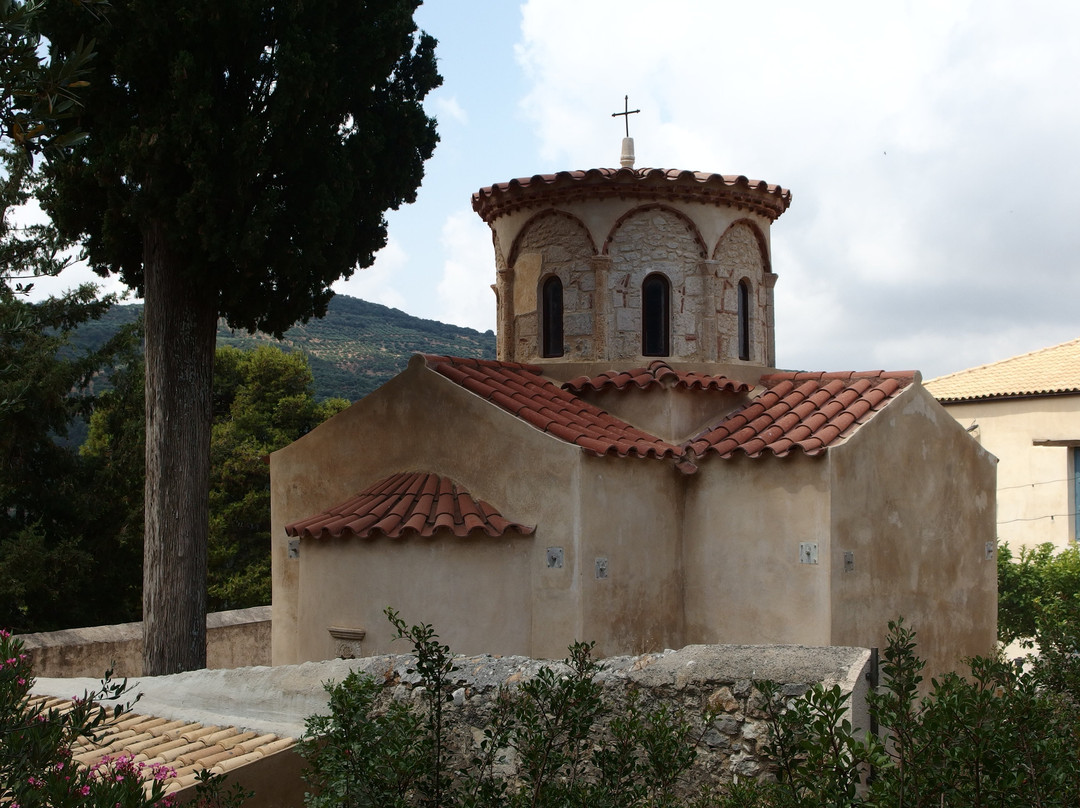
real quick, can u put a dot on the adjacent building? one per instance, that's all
(1026, 411)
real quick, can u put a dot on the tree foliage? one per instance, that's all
(263, 401)
(48, 520)
(239, 159)
(1038, 591)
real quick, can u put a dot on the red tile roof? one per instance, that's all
(522, 391)
(806, 411)
(410, 502)
(646, 183)
(658, 373)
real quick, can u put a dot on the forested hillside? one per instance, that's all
(354, 349)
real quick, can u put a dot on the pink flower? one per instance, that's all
(85, 791)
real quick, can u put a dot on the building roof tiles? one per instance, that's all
(537, 401)
(1049, 371)
(658, 374)
(407, 503)
(805, 411)
(647, 183)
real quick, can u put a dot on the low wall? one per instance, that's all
(234, 639)
(717, 679)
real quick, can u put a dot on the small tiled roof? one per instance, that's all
(410, 502)
(646, 183)
(658, 373)
(522, 391)
(1048, 371)
(806, 411)
(184, 746)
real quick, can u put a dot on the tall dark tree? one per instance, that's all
(239, 159)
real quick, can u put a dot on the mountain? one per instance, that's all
(354, 349)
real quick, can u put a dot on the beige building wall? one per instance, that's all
(745, 519)
(631, 554)
(912, 503)
(1035, 481)
(420, 421)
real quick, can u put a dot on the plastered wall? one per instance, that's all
(913, 503)
(1036, 500)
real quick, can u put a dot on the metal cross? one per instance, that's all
(627, 112)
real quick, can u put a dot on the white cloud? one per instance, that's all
(465, 295)
(929, 146)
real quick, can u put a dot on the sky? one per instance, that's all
(930, 149)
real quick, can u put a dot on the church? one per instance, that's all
(634, 469)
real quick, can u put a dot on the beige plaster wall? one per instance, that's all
(745, 521)
(1035, 501)
(674, 413)
(234, 639)
(913, 501)
(420, 421)
(476, 592)
(631, 554)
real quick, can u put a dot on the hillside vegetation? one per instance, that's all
(353, 350)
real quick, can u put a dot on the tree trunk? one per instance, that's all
(181, 328)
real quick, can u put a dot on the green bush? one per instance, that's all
(1007, 735)
(362, 754)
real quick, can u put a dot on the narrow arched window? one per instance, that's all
(655, 316)
(744, 320)
(552, 317)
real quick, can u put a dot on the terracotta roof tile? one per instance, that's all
(187, 748)
(534, 399)
(407, 503)
(805, 411)
(1049, 371)
(645, 183)
(658, 374)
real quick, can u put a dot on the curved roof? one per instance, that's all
(805, 411)
(410, 502)
(1046, 372)
(651, 184)
(658, 374)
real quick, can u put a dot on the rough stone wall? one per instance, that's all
(566, 249)
(713, 686)
(738, 257)
(657, 240)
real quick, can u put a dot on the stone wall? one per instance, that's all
(234, 639)
(699, 679)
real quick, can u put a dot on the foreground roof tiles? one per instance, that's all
(805, 411)
(522, 391)
(1049, 371)
(658, 374)
(407, 503)
(186, 747)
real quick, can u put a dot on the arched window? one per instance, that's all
(744, 319)
(655, 316)
(551, 317)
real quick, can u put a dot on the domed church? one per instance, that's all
(633, 469)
